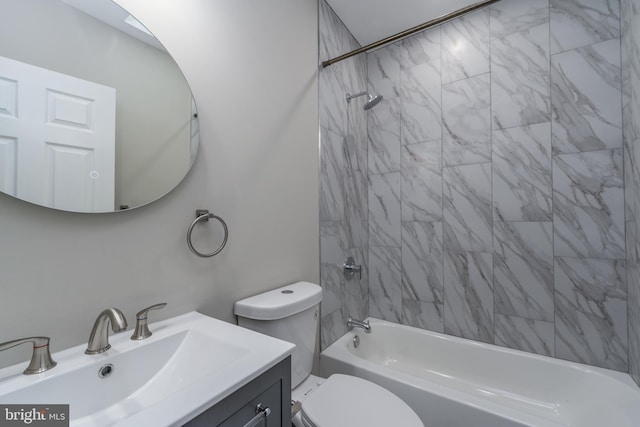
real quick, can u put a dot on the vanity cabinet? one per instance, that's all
(270, 390)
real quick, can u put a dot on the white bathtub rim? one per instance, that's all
(339, 353)
(609, 374)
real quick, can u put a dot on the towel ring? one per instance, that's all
(204, 215)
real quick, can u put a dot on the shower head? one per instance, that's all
(372, 102)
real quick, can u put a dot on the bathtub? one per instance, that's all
(454, 382)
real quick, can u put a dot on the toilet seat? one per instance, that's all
(347, 401)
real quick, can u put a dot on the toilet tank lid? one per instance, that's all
(279, 303)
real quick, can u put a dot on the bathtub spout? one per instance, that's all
(353, 323)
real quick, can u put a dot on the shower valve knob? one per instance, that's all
(350, 268)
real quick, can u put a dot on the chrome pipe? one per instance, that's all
(410, 31)
(353, 323)
(350, 96)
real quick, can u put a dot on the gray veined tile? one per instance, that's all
(385, 288)
(333, 242)
(513, 16)
(633, 70)
(522, 187)
(628, 9)
(630, 67)
(520, 78)
(588, 205)
(331, 177)
(586, 98)
(356, 208)
(356, 141)
(335, 38)
(422, 181)
(523, 269)
(468, 300)
(422, 270)
(467, 208)
(631, 236)
(334, 83)
(332, 282)
(384, 71)
(591, 312)
(354, 78)
(421, 103)
(332, 326)
(384, 210)
(424, 315)
(576, 23)
(635, 183)
(384, 137)
(633, 299)
(465, 46)
(466, 124)
(327, 25)
(533, 336)
(331, 104)
(625, 73)
(630, 191)
(420, 48)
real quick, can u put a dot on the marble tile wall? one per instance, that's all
(493, 194)
(496, 180)
(630, 27)
(344, 187)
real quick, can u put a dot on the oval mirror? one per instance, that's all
(95, 115)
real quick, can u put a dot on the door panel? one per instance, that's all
(8, 165)
(64, 133)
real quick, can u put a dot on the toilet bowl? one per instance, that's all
(291, 313)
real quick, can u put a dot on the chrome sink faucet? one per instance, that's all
(353, 323)
(99, 338)
(41, 360)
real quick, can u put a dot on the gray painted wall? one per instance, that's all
(257, 169)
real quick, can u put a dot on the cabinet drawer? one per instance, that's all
(271, 389)
(270, 398)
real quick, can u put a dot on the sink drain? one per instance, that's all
(106, 370)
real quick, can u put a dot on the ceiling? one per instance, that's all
(373, 20)
(115, 16)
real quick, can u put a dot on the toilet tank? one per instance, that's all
(289, 313)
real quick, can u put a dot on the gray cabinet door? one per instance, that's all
(272, 389)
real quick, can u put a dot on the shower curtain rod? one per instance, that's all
(410, 31)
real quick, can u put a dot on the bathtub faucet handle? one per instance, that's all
(349, 268)
(353, 323)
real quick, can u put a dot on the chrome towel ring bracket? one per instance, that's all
(203, 215)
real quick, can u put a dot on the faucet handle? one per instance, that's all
(41, 360)
(142, 328)
(350, 267)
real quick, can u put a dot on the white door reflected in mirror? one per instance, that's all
(97, 152)
(58, 128)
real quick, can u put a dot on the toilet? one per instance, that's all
(291, 314)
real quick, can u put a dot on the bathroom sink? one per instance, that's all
(190, 363)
